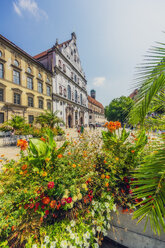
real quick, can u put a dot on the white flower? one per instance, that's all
(93, 213)
(53, 244)
(72, 236)
(77, 240)
(105, 223)
(86, 245)
(34, 246)
(72, 223)
(96, 245)
(93, 230)
(114, 207)
(43, 246)
(46, 240)
(108, 197)
(106, 204)
(93, 202)
(104, 232)
(108, 226)
(87, 235)
(64, 244)
(68, 228)
(98, 228)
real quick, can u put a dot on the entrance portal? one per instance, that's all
(81, 120)
(69, 121)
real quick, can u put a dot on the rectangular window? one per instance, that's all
(16, 77)
(1, 71)
(1, 95)
(29, 83)
(1, 117)
(40, 87)
(17, 98)
(40, 104)
(30, 101)
(48, 90)
(48, 105)
(31, 119)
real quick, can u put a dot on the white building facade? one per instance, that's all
(69, 83)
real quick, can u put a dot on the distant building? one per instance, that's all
(96, 109)
(69, 82)
(25, 84)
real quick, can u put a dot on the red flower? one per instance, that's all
(47, 212)
(46, 200)
(63, 201)
(69, 200)
(58, 206)
(23, 144)
(26, 206)
(130, 191)
(42, 206)
(31, 205)
(125, 179)
(132, 179)
(50, 185)
(128, 186)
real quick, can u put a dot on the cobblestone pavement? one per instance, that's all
(11, 152)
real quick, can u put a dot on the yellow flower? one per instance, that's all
(79, 196)
(78, 190)
(102, 176)
(74, 198)
(21, 173)
(116, 158)
(11, 169)
(25, 191)
(44, 174)
(1, 160)
(79, 165)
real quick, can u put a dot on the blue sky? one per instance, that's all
(112, 35)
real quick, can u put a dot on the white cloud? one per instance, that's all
(17, 10)
(29, 6)
(99, 81)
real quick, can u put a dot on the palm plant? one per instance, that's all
(16, 122)
(150, 176)
(49, 119)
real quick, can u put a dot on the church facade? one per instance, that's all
(70, 97)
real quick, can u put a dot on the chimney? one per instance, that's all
(73, 36)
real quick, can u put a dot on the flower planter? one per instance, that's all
(125, 231)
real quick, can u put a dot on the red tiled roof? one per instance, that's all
(95, 102)
(46, 52)
(22, 51)
(42, 54)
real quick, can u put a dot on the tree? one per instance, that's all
(119, 108)
(49, 119)
(17, 122)
(150, 176)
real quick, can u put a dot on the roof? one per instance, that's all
(47, 51)
(23, 52)
(133, 94)
(95, 102)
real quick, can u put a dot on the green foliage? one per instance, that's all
(17, 122)
(49, 119)
(119, 108)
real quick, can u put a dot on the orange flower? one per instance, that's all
(2, 155)
(89, 179)
(106, 184)
(23, 144)
(59, 156)
(107, 176)
(1, 160)
(43, 139)
(46, 200)
(25, 172)
(24, 167)
(102, 176)
(105, 161)
(69, 153)
(13, 228)
(47, 159)
(116, 158)
(73, 165)
(94, 166)
(53, 204)
(44, 174)
(132, 151)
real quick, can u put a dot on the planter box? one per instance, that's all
(125, 231)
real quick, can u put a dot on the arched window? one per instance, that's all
(29, 70)
(39, 75)
(69, 92)
(71, 75)
(64, 68)
(0, 54)
(81, 99)
(75, 58)
(59, 63)
(60, 90)
(75, 78)
(16, 63)
(65, 92)
(76, 96)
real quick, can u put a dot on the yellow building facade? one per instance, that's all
(25, 85)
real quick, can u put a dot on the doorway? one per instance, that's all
(69, 121)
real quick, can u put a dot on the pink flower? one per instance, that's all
(50, 185)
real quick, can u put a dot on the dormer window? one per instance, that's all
(16, 63)
(39, 75)
(0, 54)
(29, 70)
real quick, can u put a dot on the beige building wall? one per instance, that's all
(14, 60)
